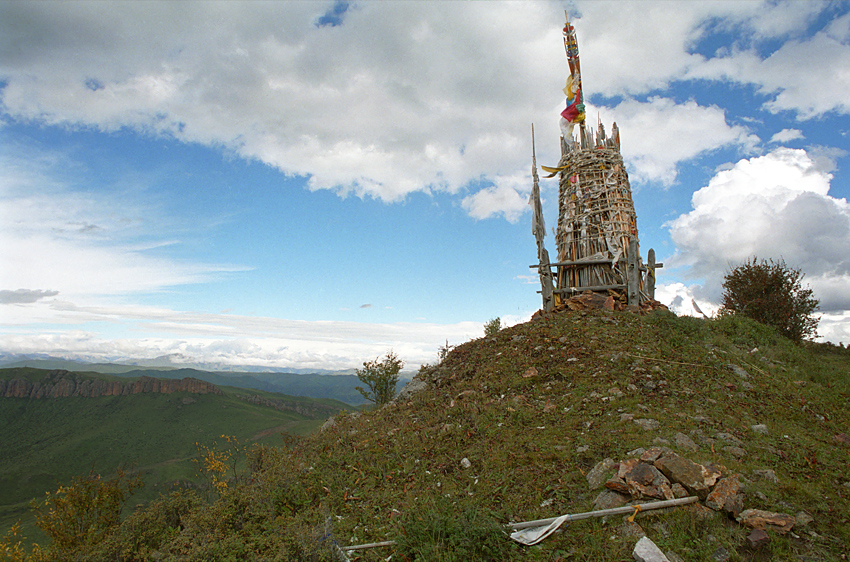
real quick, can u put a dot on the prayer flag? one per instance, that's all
(570, 89)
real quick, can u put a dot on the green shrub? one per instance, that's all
(445, 532)
(492, 327)
(771, 293)
(443, 351)
(380, 378)
(148, 528)
(83, 514)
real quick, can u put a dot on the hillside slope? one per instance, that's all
(508, 428)
(535, 408)
(57, 424)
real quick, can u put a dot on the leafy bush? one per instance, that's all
(148, 528)
(492, 327)
(215, 462)
(770, 293)
(13, 547)
(83, 514)
(380, 378)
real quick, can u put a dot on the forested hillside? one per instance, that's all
(59, 424)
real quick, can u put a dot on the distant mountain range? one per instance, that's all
(337, 385)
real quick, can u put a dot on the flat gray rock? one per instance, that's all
(760, 428)
(647, 424)
(684, 442)
(411, 388)
(600, 473)
(646, 551)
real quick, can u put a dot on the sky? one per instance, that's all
(313, 184)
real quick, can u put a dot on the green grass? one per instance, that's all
(523, 434)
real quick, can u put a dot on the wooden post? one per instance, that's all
(539, 231)
(651, 266)
(633, 272)
(650, 273)
(546, 286)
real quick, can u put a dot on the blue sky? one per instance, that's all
(311, 184)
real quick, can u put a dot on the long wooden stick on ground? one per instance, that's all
(576, 517)
(369, 545)
(604, 512)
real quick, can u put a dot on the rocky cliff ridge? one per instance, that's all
(63, 384)
(312, 410)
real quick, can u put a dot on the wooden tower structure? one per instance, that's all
(597, 235)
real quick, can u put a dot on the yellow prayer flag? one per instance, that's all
(570, 89)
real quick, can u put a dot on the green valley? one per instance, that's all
(46, 441)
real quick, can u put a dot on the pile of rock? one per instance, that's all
(613, 300)
(658, 473)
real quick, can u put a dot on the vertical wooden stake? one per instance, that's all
(547, 290)
(650, 273)
(634, 272)
(543, 269)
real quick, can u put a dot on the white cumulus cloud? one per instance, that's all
(661, 134)
(807, 76)
(775, 206)
(787, 135)
(400, 97)
(508, 197)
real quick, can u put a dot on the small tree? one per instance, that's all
(770, 293)
(492, 327)
(380, 378)
(80, 516)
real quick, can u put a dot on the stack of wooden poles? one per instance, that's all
(596, 213)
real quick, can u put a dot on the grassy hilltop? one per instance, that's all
(508, 427)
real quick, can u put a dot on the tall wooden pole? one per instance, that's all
(538, 227)
(571, 46)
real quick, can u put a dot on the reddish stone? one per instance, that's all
(758, 519)
(618, 485)
(722, 492)
(757, 539)
(645, 480)
(625, 467)
(694, 477)
(701, 512)
(608, 499)
(660, 491)
(734, 505)
(651, 455)
(678, 490)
